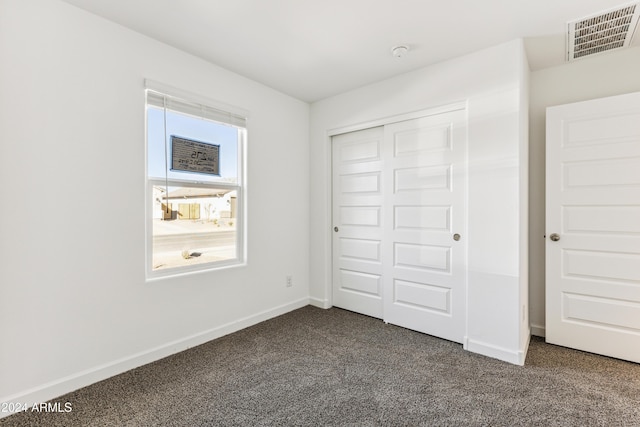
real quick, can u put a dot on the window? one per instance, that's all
(195, 183)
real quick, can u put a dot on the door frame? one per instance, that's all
(454, 106)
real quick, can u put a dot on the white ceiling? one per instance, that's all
(312, 49)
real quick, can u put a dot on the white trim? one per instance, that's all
(466, 219)
(67, 384)
(523, 353)
(517, 357)
(538, 331)
(328, 260)
(320, 303)
(460, 105)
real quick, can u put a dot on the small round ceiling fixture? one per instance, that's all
(399, 51)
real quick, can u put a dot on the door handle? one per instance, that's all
(336, 229)
(456, 237)
(554, 237)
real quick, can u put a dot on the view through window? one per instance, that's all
(194, 177)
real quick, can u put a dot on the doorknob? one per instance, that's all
(456, 237)
(555, 237)
(336, 229)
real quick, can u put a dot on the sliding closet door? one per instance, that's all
(357, 221)
(425, 230)
(399, 226)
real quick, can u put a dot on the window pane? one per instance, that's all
(192, 128)
(193, 225)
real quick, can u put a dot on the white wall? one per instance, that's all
(600, 76)
(492, 81)
(525, 328)
(74, 304)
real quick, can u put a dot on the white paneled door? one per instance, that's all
(399, 197)
(593, 226)
(357, 221)
(425, 236)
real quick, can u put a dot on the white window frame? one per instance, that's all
(217, 112)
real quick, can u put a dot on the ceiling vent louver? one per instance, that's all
(603, 32)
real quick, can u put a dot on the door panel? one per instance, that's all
(425, 268)
(357, 214)
(593, 206)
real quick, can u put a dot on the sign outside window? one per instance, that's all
(188, 155)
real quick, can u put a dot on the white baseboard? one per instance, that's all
(53, 389)
(320, 303)
(538, 331)
(515, 357)
(525, 350)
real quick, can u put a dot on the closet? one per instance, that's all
(399, 207)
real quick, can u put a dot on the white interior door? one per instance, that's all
(593, 226)
(425, 234)
(357, 220)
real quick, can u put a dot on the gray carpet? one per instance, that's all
(314, 367)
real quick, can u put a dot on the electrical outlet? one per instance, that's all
(289, 281)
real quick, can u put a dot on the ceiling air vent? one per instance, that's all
(600, 33)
